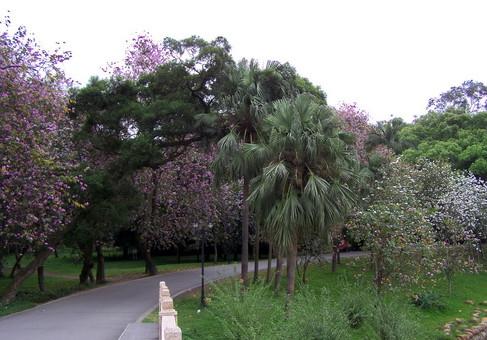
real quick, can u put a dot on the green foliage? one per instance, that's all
(354, 302)
(253, 89)
(256, 313)
(308, 316)
(393, 321)
(240, 311)
(111, 205)
(387, 133)
(459, 138)
(428, 300)
(394, 226)
(203, 325)
(305, 183)
(314, 316)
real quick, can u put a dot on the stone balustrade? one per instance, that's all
(168, 317)
(478, 332)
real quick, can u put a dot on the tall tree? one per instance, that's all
(143, 116)
(470, 96)
(458, 138)
(244, 111)
(38, 167)
(387, 133)
(303, 186)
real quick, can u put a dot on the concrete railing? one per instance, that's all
(168, 317)
(478, 332)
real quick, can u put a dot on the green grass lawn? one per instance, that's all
(62, 276)
(197, 323)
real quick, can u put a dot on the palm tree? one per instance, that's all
(387, 133)
(303, 186)
(244, 111)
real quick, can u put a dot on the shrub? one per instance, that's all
(428, 300)
(354, 304)
(251, 313)
(393, 321)
(314, 316)
(255, 313)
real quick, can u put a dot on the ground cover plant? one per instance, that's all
(330, 299)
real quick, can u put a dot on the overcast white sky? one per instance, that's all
(388, 56)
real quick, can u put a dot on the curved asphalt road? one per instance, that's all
(103, 313)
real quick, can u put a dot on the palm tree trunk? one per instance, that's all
(269, 264)
(334, 260)
(256, 253)
(291, 268)
(277, 274)
(245, 233)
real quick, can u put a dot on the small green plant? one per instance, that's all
(255, 313)
(246, 313)
(428, 300)
(355, 303)
(314, 316)
(393, 321)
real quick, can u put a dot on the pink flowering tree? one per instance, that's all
(143, 55)
(180, 199)
(36, 154)
(356, 122)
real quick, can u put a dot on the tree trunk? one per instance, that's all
(334, 260)
(23, 274)
(338, 256)
(277, 274)
(269, 264)
(178, 254)
(2, 267)
(256, 253)
(245, 233)
(291, 268)
(100, 265)
(215, 248)
(16, 266)
(150, 266)
(87, 269)
(379, 272)
(40, 278)
(125, 250)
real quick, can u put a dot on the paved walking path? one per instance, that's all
(103, 313)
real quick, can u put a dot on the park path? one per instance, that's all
(103, 313)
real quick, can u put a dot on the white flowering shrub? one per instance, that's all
(421, 220)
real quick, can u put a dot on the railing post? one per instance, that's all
(168, 323)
